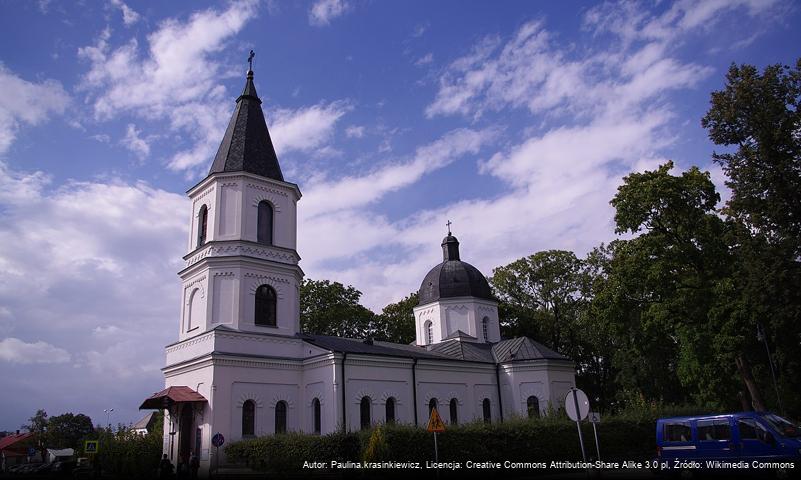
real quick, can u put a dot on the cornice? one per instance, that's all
(241, 248)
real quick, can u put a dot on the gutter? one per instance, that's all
(414, 390)
(498, 382)
(344, 405)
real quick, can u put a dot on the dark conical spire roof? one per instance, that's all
(247, 146)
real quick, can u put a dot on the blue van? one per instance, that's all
(744, 441)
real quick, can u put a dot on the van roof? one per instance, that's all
(714, 415)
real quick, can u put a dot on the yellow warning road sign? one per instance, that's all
(90, 446)
(435, 423)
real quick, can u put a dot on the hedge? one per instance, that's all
(621, 438)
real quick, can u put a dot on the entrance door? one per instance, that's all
(185, 431)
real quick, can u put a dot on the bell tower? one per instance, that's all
(242, 267)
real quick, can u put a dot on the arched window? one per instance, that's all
(485, 328)
(429, 329)
(195, 317)
(533, 404)
(486, 407)
(265, 306)
(432, 404)
(364, 411)
(202, 225)
(316, 415)
(390, 410)
(265, 223)
(454, 407)
(248, 418)
(280, 417)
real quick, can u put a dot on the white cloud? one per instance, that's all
(133, 142)
(24, 102)
(14, 350)
(323, 11)
(425, 59)
(350, 192)
(354, 131)
(305, 129)
(598, 113)
(176, 79)
(104, 254)
(129, 15)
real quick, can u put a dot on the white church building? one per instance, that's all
(243, 368)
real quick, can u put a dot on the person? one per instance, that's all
(194, 465)
(165, 467)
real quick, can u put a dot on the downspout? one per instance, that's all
(344, 405)
(498, 381)
(414, 390)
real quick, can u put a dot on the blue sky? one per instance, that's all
(516, 120)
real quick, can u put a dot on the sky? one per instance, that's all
(515, 120)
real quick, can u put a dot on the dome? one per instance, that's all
(453, 277)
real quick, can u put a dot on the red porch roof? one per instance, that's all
(170, 396)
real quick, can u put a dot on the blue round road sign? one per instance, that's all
(217, 440)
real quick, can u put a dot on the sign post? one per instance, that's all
(595, 418)
(435, 425)
(577, 406)
(217, 440)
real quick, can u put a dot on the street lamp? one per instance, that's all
(763, 338)
(108, 411)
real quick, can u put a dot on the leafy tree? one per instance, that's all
(541, 296)
(671, 286)
(396, 323)
(330, 308)
(547, 296)
(38, 426)
(68, 430)
(758, 115)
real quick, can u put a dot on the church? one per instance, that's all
(242, 367)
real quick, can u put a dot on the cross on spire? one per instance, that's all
(449, 226)
(250, 60)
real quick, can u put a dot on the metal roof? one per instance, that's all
(170, 395)
(505, 351)
(14, 438)
(376, 347)
(247, 145)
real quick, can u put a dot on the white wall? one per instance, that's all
(460, 313)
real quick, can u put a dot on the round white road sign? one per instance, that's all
(577, 396)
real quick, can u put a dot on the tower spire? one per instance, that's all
(247, 146)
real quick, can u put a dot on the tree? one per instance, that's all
(672, 283)
(396, 323)
(330, 308)
(38, 426)
(68, 430)
(540, 297)
(546, 296)
(759, 115)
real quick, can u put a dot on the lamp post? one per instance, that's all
(764, 339)
(108, 411)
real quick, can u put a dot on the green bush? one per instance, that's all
(626, 437)
(126, 454)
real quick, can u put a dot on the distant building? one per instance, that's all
(15, 449)
(145, 425)
(242, 367)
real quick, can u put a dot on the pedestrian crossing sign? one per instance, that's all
(90, 446)
(435, 423)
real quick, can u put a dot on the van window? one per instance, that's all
(677, 432)
(717, 429)
(750, 429)
(783, 426)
